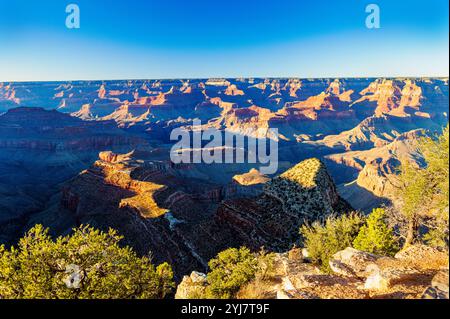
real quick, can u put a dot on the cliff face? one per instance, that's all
(40, 149)
(36, 128)
(303, 193)
(374, 171)
(332, 104)
(137, 199)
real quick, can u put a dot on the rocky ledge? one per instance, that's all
(416, 272)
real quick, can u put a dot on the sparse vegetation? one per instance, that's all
(87, 264)
(230, 270)
(424, 193)
(323, 240)
(375, 236)
(257, 289)
(233, 268)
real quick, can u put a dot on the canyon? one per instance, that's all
(98, 153)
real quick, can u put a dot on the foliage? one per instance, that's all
(231, 269)
(436, 153)
(424, 192)
(323, 240)
(86, 264)
(376, 236)
(437, 235)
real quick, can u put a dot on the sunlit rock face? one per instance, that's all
(303, 193)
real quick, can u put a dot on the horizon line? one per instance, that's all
(230, 78)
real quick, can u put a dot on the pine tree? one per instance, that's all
(376, 236)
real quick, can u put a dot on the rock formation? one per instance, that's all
(303, 193)
(51, 135)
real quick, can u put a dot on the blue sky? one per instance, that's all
(209, 38)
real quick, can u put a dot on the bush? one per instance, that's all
(231, 269)
(87, 264)
(375, 236)
(437, 235)
(324, 240)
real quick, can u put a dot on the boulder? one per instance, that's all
(384, 278)
(198, 277)
(439, 287)
(192, 287)
(351, 262)
(375, 281)
(440, 280)
(414, 252)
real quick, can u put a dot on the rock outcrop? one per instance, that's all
(351, 262)
(192, 287)
(375, 170)
(365, 276)
(187, 221)
(253, 177)
(439, 287)
(303, 193)
(405, 275)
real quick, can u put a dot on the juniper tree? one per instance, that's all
(424, 191)
(87, 264)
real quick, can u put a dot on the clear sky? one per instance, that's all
(212, 38)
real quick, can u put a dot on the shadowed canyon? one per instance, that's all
(98, 153)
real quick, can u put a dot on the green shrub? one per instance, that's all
(231, 269)
(437, 235)
(87, 264)
(376, 236)
(323, 240)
